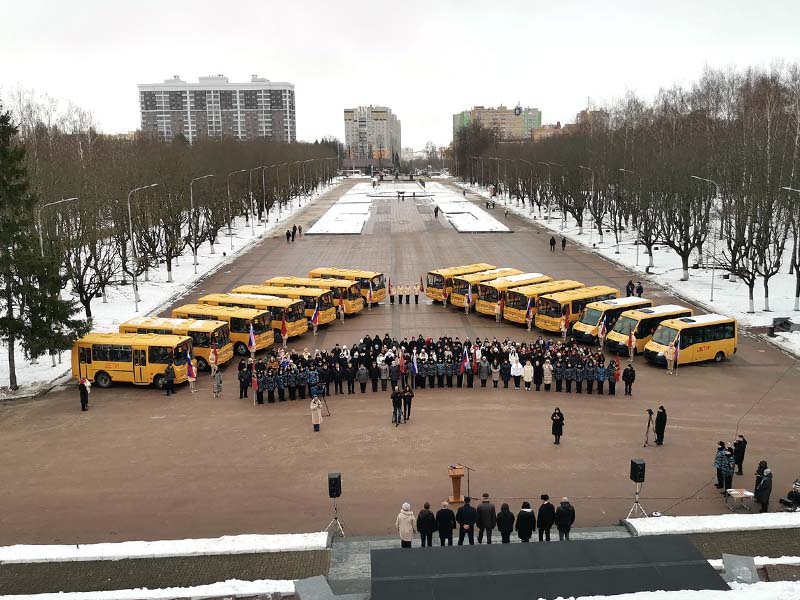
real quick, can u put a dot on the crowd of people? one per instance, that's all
(485, 519)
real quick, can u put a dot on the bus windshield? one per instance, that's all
(261, 324)
(591, 316)
(295, 312)
(517, 301)
(625, 324)
(549, 308)
(180, 353)
(325, 301)
(489, 294)
(378, 282)
(460, 287)
(222, 336)
(664, 335)
(435, 281)
(200, 339)
(353, 292)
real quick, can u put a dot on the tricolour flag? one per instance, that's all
(189, 366)
(630, 337)
(603, 328)
(469, 294)
(369, 294)
(474, 359)
(677, 347)
(315, 315)
(464, 362)
(414, 369)
(421, 286)
(402, 361)
(528, 310)
(214, 354)
(251, 343)
(284, 328)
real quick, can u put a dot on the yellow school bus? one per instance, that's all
(440, 280)
(463, 283)
(294, 311)
(700, 338)
(239, 320)
(139, 358)
(587, 329)
(517, 298)
(347, 290)
(641, 324)
(204, 335)
(552, 307)
(364, 278)
(489, 292)
(311, 297)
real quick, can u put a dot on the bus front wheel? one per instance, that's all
(158, 382)
(719, 356)
(102, 379)
(240, 349)
(202, 365)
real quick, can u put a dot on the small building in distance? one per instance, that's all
(510, 123)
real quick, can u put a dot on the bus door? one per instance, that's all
(140, 366)
(84, 360)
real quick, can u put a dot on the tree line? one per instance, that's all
(90, 210)
(703, 169)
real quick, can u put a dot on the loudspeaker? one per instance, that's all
(335, 485)
(637, 470)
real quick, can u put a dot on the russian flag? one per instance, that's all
(189, 366)
(677, 347)
(630, 337)
(528, 311)
(603, 328)
(414, 369)
(369, 294)
(251, 343)
(421, 286)
(464, 362)
(284, 328)
(469, 294)
(474, 359)
(315, 315)
(402, 361)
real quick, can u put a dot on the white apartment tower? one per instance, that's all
(371, 133)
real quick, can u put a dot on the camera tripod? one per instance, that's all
(335, 526)
(647, 431)
(637, 510)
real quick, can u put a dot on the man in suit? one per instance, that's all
(487, 519)
(445, 523)
(466, 517)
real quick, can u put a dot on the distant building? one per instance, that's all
(409, 154)
(547, 131)
(371, 136)
(216, 108)
(510, 123)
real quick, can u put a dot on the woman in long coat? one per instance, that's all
(316, 412)
(547, 370)
(557, 428)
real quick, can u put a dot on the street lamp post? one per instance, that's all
(591, 231)
(305, 189)
(133, 245)
(252, 203)
(714, 246)
(191, 218)
(637, 216)
(228, 185)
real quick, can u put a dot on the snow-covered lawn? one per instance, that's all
(713, 523)
(155, 294)
(730, 298)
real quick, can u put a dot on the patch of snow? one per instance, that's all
(788, 341)
(713, 523)
(155, 294)
(228, 544)
(761, 561)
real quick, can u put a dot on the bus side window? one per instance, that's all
(84, 355)
(239, 325)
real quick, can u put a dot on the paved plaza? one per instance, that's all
(140, 465)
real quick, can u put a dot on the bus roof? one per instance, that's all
(167, 322)
(461, 270)
(345, 273)
(547, 287)
(264, 299)
(223, 311)
(310, 282)
(577, 294)
(697, 320)
(153, 339)
(482, 276)
(619, 302)
(279, 290)
(654, 311)
(509, 280)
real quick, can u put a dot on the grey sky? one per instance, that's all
(426, 60)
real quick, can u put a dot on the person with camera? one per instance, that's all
(661, 425)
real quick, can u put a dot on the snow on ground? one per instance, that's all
(729, 298)
(228, 544)
(464, 216)
(154, 294)
(760, 561)
(713, 523)
(223, 589)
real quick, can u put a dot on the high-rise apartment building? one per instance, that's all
(216, 108)
(371, 133)
(510, 123)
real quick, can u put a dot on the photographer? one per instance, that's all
(660, 426)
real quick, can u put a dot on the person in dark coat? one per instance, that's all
(739, 447)
(762, 466)
(565, 517)
(83, 390)
(661, 425)
(445, 524)
(397, 406)
(487, 519)
(557, 428)
(408, 396)
(245, 380)
(764, 490)
(563, 243)
(169, 379)
(629, 376)
(505, 523)
(546, 518)
(727, 466)
(538, 374)
(526, 522)
(426, 525)
(718, 459)
(552, 244)
(466, 518)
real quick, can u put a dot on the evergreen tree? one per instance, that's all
(31, 313)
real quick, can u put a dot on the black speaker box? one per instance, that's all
(335, 484)
(637, 470)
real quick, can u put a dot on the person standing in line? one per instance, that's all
(416, 293)
(565, 517)
(466, 518)
(408, 293)
(629, 376)
(405, 525)
(538, 375)
(728, 467)
(557, 427)
(762, 466)
(669, 355)
(764, 490)
(718, 460)
(516, 373)
(399, 293)
(563, 244)
(261, 385)
(397, 406)
(84, 389)
(426, 525)
(169, 379)
(580, 375)
(590, 374)
(316, 412)
(374, 375)
(602, 375)
(270, 383)
(661, 425)
(547, 374)
(739, 447)
(384, 375)
(527, 375)
(569, 376)
(445, 524)
(495, 369)
(408, 396)
(546, 518)
(217, 385)
(487, 519)
(552, 243)
(498, 312)
(391, 293)
(526, 522)
(362, 376)
(484, 370)
(612, 378)
(639, 289)
(505, 523)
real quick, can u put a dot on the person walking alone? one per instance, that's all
(552, 244)
(660, 425)
(84, 389)
(546, 518)
(426, 525)
(445, 524)
(405, 525)
(628, 377)
(565, 517)
(557, 428)
(505, 523)
(487, 519)
(669, 355)
(563, 244)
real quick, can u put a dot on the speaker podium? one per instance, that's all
(456, 475)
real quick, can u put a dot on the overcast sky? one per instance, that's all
(425, 60)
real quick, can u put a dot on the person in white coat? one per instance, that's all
(316, 412)
(516, 373)
(406, 525)
(527, 375)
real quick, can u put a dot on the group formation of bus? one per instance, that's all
(631, 323)
(219, 326)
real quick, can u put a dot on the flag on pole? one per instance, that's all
(474, 359)
(502, 303)
(414, 369)
(603, 328)
(677, 348)
(315, 315)
(528, 310)
(421, 285)
(464, 362)
(189, 366)
(469, 294)
(251, 343)
(630, 337)
(214, 354)
(402, 361)
(284, 328)
(369, 294)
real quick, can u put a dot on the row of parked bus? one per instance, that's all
(218, 326)
(630, 323)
